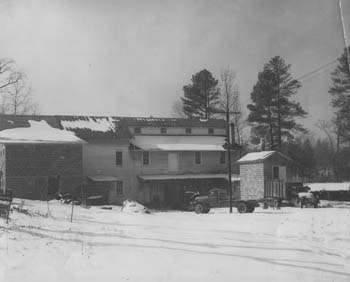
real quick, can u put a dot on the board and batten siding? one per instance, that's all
(252, 181)
(28, 167)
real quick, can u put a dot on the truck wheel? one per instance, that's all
(242, 207)
(199, 208)
(250, 208)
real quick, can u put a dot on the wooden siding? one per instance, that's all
(178, 131)
(99, 158)
(277, 160)
(3, 167)
(29, 166)
(159, 163)
(252, 181)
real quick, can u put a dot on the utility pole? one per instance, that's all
(229, 157)
(229, 166)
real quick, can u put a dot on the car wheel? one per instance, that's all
(199, 208)
(242, 207)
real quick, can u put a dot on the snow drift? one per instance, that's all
(133, 207)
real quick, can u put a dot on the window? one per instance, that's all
(197, 158)
(275, 172)
(119, 158)
(163, 130)
(137, 130)
(188, 130)
(210, 130)
(119, 188)
(145, 157)
(222, 157)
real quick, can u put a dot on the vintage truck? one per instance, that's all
(217, 198)
(266, 178)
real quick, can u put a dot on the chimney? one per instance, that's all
(232, 131)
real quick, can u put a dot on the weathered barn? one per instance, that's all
(267, 174)
(37, 156)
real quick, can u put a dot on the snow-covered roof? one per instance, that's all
(38, 132)
(179, 143)
(102, 124)
(102, 178)
(343, 186)
(256, 156)
(187, 176)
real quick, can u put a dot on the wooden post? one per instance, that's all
(71, 215)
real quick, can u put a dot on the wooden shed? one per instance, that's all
(267, 174)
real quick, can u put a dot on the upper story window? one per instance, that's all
(210, 130)
(188, 130)
(137, 130)
(197, 157)
(145, 157)
(119, 158)
(163, 130)
(222, 157)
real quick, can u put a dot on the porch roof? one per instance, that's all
(102, 178)
(186, 176)
(180, 143)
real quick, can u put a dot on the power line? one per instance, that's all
(309, 74)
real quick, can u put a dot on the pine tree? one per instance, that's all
(273, 113)
(201, 97)
(340, 91)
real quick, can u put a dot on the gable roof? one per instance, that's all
(15, 121)
(257, 157)
(174, 122)
(104, 127)
(96, 127)
(38, 132)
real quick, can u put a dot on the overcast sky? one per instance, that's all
(132, 58)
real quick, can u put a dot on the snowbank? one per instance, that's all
(133, 207)
(39, 131)
(329, 186)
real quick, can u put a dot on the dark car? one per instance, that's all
(308, 199)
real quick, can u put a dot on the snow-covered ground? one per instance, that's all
(290, 244)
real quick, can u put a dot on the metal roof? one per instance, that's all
(179, 143)
(186, 176)
(105, 127)
(259, 156)
(102, 178)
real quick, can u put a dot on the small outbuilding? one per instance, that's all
(36, 157)
(267, 174)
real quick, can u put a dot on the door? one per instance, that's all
(283, 173)
(173, 162)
